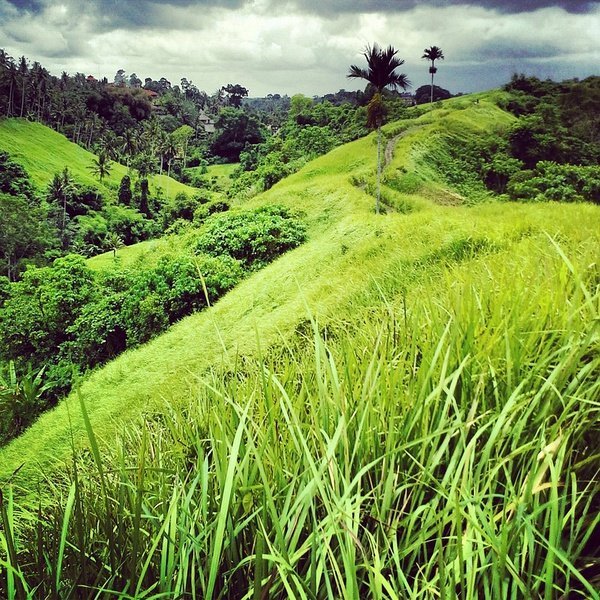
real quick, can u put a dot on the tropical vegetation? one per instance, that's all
(276, 391)
(432, 54)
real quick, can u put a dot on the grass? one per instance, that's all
(43, 152)
(147, 252)
(221, 171)
(437, 444)
(404, 407)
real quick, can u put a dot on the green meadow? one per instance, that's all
(405, 406)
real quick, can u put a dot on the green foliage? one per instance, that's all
(24, 233)
(98, 332)
(423, 94)
(254, 237)
(67, 319)
(129, 224)
(559, 121)
(91, 230)
(14, 180)
(35, 318)
(124, 194)
(235, 129)
(20, 400)
(551, 181)
(458, 163)
(418, 444)
(204, 210)
(181, 207)
(414, 439)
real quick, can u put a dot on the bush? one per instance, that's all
(253, 237)
(551, 181)
(204, 211)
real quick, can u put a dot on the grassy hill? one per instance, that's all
(401, 407)
(43, 152)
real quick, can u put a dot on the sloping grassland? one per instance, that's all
(43, 152)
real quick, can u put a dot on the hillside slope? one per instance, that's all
(352, 253)
(43, 152)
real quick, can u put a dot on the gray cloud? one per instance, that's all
(300, 46)
(331, 7)
(128, 13)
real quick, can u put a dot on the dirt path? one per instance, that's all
(391, 145)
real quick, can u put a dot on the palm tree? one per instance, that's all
(24, 73)
(59, 191)
(434, 53)
(113, 241)
(13, 79)
(101, 166)
(381, 73)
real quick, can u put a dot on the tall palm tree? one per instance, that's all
(60, 190)
(380, 73)
(432, 54)
(24, 74)
(13, 79)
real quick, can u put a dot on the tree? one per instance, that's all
(120, 78)
(24, 74)
(432, 54)
(60, 191)
(13, 79)
(235, 129)
(101, 166)
(181, 138)
(23, 233)
(235, 93)
(423, 94)
(381, 73)
(113, 241)
(124, 193)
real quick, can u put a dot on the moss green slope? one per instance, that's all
(44, 152)
(352, 259)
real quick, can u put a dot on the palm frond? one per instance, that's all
(433, 53)
(357, 72)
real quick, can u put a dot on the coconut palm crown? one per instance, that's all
(381, 73)
(432, 54)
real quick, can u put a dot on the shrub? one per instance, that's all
(204, 211)
(551, 181)
(253, 237)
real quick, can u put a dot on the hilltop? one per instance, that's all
(371, 396)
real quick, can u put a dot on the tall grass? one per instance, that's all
(440, 443)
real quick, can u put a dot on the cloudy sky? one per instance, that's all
(304, 46)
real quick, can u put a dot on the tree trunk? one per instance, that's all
(23, 99)
(378, 170)
(432, 74)
(10, 100)
(64, 222)
(10, 268)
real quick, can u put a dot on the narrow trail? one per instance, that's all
(391, 145)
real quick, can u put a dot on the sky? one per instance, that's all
(305, 46)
